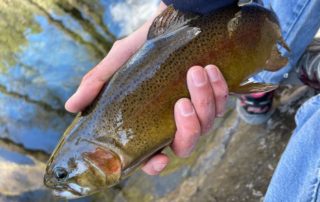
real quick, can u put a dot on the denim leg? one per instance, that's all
(300, 21)
(297, 177)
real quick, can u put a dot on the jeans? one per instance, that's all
(297, 176)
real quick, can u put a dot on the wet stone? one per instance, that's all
(21, 176)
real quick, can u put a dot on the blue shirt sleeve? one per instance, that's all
(198, 6)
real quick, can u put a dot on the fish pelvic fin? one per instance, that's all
(249, 88)
(170, 20)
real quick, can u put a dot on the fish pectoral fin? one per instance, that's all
(170, 20)
(283, 43)
(276, 61)
(254, 88)
(234, 24)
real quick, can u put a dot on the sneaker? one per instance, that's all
(256, 108)
(308, 67)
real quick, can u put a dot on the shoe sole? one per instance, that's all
(254, 119)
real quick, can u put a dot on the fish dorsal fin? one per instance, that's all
(169, 20)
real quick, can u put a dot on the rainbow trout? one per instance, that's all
(132, 118)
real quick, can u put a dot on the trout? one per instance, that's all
(132, 118)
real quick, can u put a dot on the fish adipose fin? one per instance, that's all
(254, 88)
(169, 21)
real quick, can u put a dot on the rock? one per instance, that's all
(31, 124)
(17, 169)
(21, 178)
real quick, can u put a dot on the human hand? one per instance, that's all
(195, 116)
(120, 52)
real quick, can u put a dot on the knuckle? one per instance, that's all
(221, 95)
(125, 47)
(207, 126)
(197, 132)
(205, 102)
(118, 43)
(192, 130)
(87, 76)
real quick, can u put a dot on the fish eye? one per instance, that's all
(60, 173)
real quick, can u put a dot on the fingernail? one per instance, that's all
(213, 73)
(67, 104)
(199, 77)
(186, 109)
(159, 167)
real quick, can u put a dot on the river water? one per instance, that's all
(45, 49)
(46, 46)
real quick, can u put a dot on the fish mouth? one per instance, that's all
(67, 192)
(62, 190)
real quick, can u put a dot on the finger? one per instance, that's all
(121, 51)
(156, 164)
(220, 88)
(188, 128)
(202, 96)
(94, 80)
